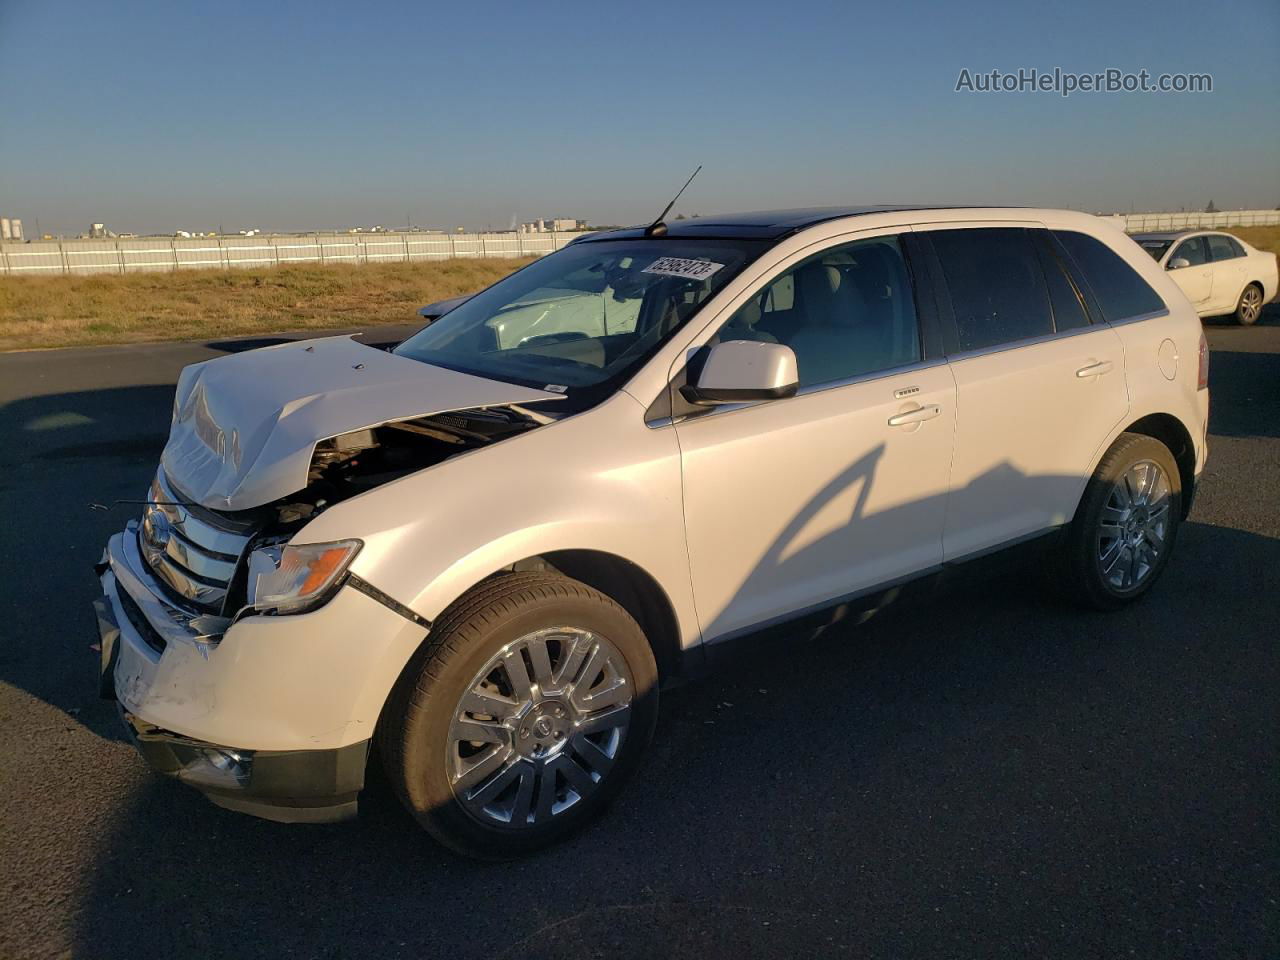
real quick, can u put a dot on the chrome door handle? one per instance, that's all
(918, 415)
(1095, 369)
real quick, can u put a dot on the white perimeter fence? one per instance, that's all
(164, 253)
(1155, 222)
(205, 253)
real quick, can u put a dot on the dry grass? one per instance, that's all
(1264, 238)
(200, 304)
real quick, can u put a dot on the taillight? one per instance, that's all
(1203, 384)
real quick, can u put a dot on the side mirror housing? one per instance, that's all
(434, 311)
(1177, 263)
(740, 371)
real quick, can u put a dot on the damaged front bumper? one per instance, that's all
(268, 715)
(289, 786)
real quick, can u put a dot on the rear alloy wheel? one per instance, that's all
(1249, 309)
(523, 714)
(1134, 527)
(1125, 526)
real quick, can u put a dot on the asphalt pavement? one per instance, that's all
(981, 772)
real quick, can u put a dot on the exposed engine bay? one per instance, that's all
(352, 463)
(202, 558)
(250, 430)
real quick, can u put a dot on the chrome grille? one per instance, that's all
(193, 553)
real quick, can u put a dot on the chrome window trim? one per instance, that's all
(1138, 318)
(870, 375)
(911, 367)
(814, 388)
(1049, 337)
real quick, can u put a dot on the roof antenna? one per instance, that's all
(658, 228)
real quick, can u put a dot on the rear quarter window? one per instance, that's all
(1118, 289)
(1223, 248)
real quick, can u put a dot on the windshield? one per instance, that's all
(1156, 246)
(580, 320)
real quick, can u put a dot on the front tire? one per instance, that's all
(1249, 309)
(521, 717)
(1126, 525)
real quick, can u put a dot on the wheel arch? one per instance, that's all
(634, 589)
(625, 582)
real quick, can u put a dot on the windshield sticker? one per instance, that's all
(556, 388)
(680, 267)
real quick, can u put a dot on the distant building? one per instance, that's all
(554, 225)
(97, 231)
(10, 229)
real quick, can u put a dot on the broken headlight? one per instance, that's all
(292, 578)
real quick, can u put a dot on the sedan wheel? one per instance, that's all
(1250, 307)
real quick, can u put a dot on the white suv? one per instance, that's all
(486, 549)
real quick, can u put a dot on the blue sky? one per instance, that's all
(160, 116)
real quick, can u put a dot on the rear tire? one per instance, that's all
(496, 738)
(1249, 309)
(1125, 527)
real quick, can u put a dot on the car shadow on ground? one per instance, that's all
(971, 762)
(924, 781)
(65, 460)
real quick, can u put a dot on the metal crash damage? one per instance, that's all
(263, 442)
(260, 444)
(248, 429)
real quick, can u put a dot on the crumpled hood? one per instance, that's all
(245, 425)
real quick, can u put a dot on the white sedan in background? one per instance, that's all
(1220, 274)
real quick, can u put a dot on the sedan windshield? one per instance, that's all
(1156, 246)
(581, 320)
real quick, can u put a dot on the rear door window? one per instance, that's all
(1119, 291)
(1222, 248)
(997, 288)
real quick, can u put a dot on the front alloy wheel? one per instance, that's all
(521, 716)
(539, 727)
